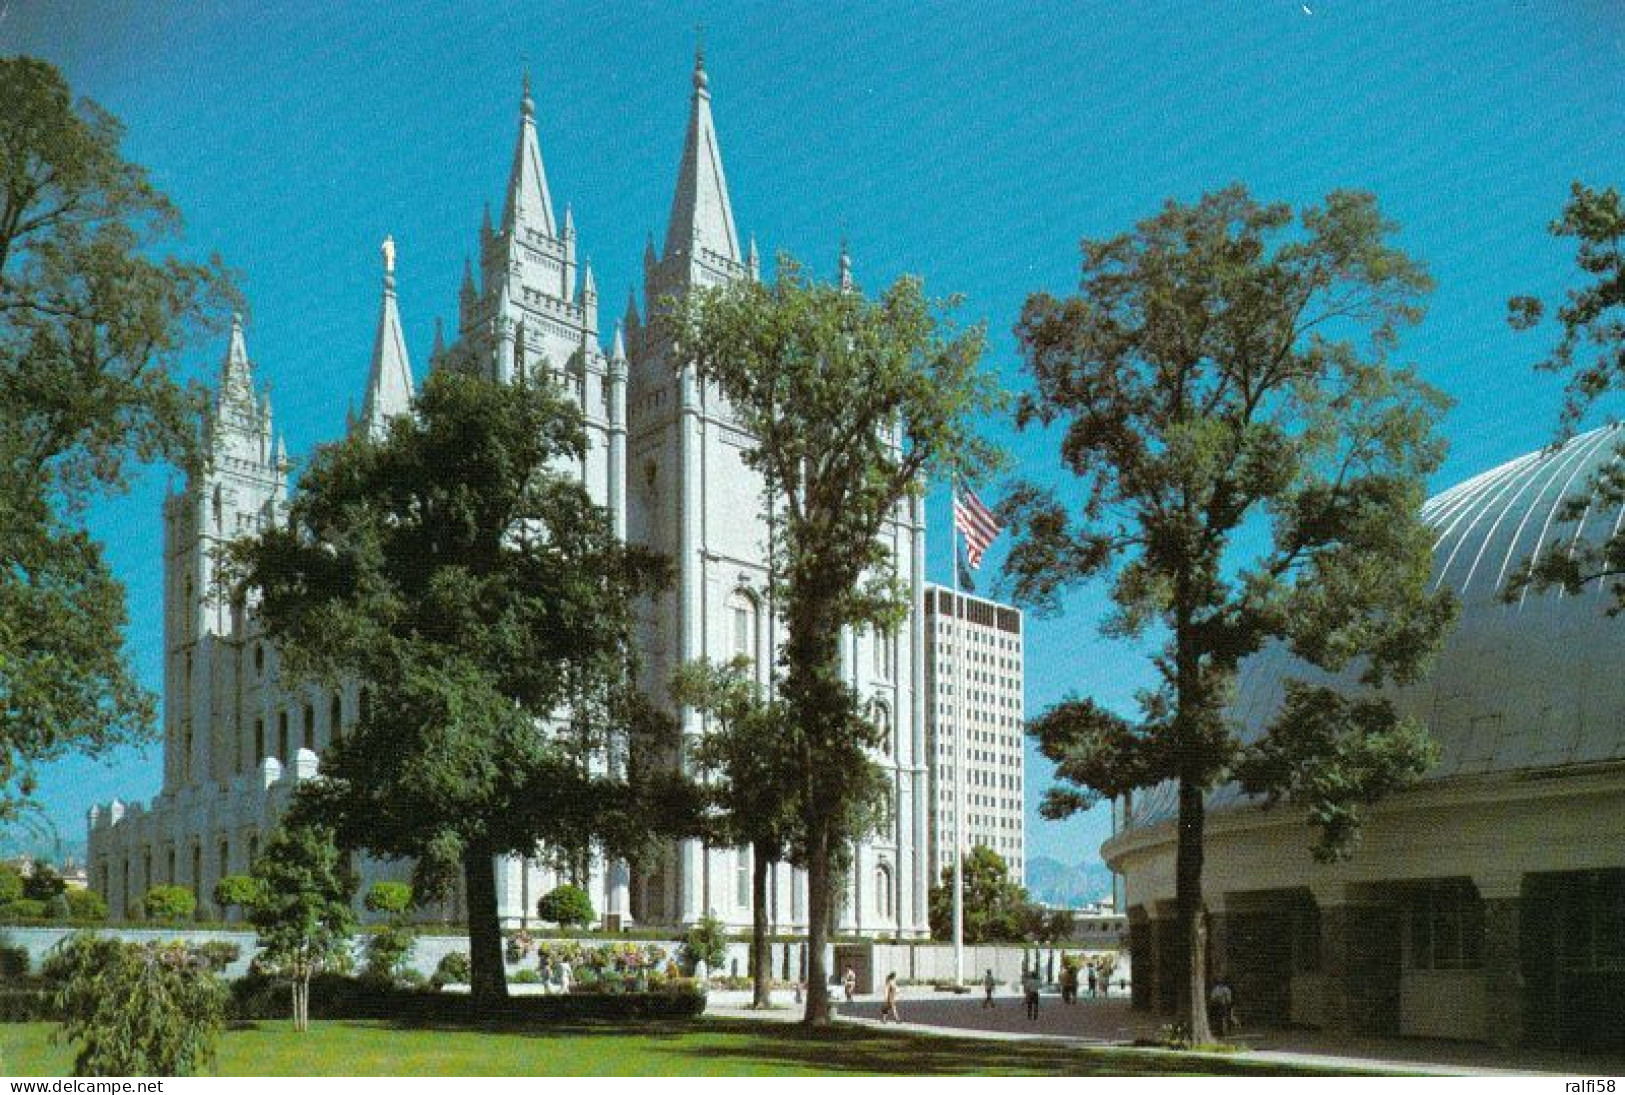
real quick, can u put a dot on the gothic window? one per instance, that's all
(282, 735)
(883, 724)
(742, 878)
(309, 738)
(253, 849)
(225, 859)
(883, 891)
(742, 627)
(170, 858)
(259, 741)
(335, 720)
(259, 658)
(885, 647)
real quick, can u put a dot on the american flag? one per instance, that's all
(978, 524)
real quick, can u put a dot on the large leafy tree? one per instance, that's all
(851, 405)
(1590, 351)
(459, 568)
(997, 909)
(91, 326)
(1248, 469)
(302, 909)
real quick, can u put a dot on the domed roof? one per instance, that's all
(1536, 683)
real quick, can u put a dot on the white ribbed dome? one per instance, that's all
(1535, 684)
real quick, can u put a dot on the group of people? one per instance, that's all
(888, 1000)
(556, 976)
(1095, 977)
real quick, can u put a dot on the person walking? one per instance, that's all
(1221, 1000)
(849, 983)
(1029, 988)
(988, 985)
(1094, 981)
(888, 1009)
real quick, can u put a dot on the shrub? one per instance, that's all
(566, 906)
(394, 898)
(217, 954)
(526, 977)
(454, 969)
(11, 884)
(86, 905)
(236, 891)
(706, 941)
(24, 908)
(169, 904)
(13, 963)
(136, 1009)
(57, 908)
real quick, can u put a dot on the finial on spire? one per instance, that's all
(700, 80)
(845, 265)
(589, 287)
(388, 248)
(617, 351)
(526, 106)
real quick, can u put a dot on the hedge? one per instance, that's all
(336, 997)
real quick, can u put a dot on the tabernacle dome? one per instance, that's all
(1487, 903)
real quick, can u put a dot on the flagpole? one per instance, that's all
(959, 755)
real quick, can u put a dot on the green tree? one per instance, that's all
(850, 405)
(43, 882)
(460, 568)
(1591, 352)
(303, 916)
(86, 905)
(136, 1009)
(747, 759)
(996, 906)
(567, 906)
(11, 884)
(91, 326)
(389, 950)
(169, 904)
(1249, 470)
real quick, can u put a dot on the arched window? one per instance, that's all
(742, 878)
(883, 724)
(885, 653)
(309, 738)
(742, 627)
(335, 720)
(883, 891)
(259, 741)
(282, 735)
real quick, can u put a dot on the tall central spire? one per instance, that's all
(701, 216)
(528, 203)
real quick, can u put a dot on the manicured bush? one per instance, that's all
(393, 898)
(169, 904)
(236, 891)
(389, 950)
(566, 906)
(136, 1009)
(336, 997)
(526, 977)
(86, 905)
(454, 969)
(706, 941)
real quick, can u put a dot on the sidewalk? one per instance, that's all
(1110, 1022)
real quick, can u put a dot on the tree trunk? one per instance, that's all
(1188, 900)
(818, 904)
(761, 951)
(488, 979)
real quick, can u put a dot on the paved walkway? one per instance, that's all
(1110, 1022)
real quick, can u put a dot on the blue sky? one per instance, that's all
(974, 144)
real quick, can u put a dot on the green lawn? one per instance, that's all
(703, 1048)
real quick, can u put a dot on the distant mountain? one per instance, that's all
(1051, 882)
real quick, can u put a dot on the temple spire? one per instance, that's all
(389, 382)
(236, 375)
(528, 204)
(701, 215)
(845, 267)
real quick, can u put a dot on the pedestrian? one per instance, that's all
(849, 982)
(564, 976)
(1094, 981)
(545, 970)
(888, 1009)
(1029, 988)
(799, 989)
(988, 985)
(1221, 1001)
(1069, 981)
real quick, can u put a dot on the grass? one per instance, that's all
(707, 1047)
